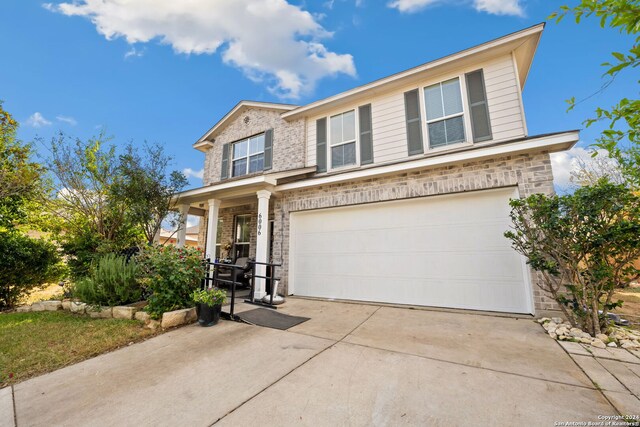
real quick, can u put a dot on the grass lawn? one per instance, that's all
(630, 310)
(35, 343)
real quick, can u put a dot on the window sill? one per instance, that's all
(451, 147)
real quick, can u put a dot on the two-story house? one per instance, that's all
(396, 191)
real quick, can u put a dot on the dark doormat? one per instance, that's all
(271, 318)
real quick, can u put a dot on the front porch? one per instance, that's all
(237, 220)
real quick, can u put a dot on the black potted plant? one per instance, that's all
(208, 305)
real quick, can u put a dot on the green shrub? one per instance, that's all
(584, 245)
(170, 275)
(112, 281)
(24, 264)
(210, 297)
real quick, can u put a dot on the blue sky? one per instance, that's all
(165, 71)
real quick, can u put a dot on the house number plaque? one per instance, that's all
(259, 224)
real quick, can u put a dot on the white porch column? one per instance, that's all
(262, 240)
(181, 237)
(212, 228)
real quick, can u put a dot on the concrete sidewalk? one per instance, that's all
(351, 364)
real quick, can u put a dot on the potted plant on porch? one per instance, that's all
(208, 305)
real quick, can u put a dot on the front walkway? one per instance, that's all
(351, 364)
(615, 371)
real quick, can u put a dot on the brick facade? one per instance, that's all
(288, 141)
(531, 173)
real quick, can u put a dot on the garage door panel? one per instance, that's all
(439, 251)
(466, 237)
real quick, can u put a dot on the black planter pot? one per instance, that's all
(207, 315)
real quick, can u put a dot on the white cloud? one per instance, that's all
(37, 120)
(134, 53)
(563, 163)
(271, 41)
(494, 7)
(192, 220)
(67, 119)
(566, 164)
(499, 7)
(190, 173)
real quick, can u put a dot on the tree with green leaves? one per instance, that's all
(622, 136)
(149, 188)
(21, 179)
(584, 245)
(91, 221)
(24, 262)
(108, 201)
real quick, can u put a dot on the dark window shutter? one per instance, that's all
(321, 145)
(268, 149)
(414, 127)
(478, 107)
(224, 172)
(366, 136)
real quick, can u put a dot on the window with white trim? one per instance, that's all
(343, 139)
(445, 113)
(247, 155)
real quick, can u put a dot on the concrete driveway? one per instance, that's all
(351, 364)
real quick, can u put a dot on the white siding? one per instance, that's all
(388, 115)
(389, 128)
(311, 142)
(502, 88)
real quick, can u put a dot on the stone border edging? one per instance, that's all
(560, 330)
(169, 319)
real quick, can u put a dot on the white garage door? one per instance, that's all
(445, 251)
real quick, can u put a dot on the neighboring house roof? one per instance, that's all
(194, 229)
(192, 234)
(240, 107)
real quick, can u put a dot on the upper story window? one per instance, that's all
(248, 155)
(445, 113)
(343, 139)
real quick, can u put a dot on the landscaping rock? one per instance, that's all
(602, 337)
(121, 312)
(78, 307)
(100, 312)
(612, 344)
(178, 317)
(586, 335)
(153, 324)
(585, 340)
(66, 305)
(37, 306)
(553, 335)
(24, 309)
(192, 316)
(629, 345)
(543, 320)
(52, 305)
(142, 316)
(576, 332)
(557, 320)
(598, 343)
(562, 331)
(550, 325)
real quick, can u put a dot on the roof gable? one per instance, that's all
(208, 138)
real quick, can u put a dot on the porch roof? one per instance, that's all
(242, 187)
